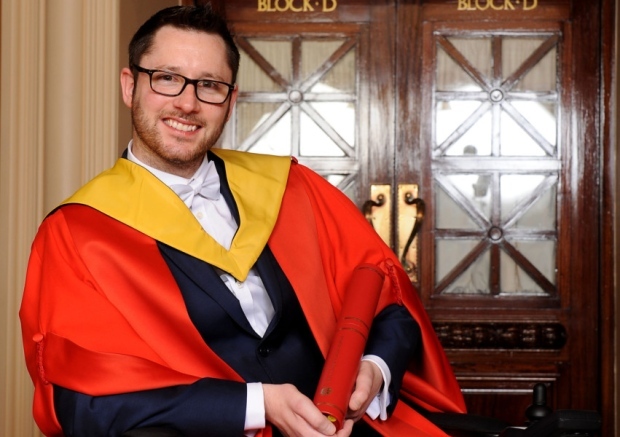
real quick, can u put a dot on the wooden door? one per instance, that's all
(487, 110)
(505, 134)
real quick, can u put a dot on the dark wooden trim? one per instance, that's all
(610, 241)
(584, 215)
(501, 335)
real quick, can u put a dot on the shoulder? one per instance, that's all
(75, 222)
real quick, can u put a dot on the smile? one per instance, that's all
(180, 126)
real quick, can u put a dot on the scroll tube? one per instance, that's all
(345, 352)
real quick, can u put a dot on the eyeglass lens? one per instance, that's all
(172, 85)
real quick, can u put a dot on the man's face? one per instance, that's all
(174, 133)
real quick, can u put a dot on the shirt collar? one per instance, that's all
(169, 178)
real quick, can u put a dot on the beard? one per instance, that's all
(173, 156)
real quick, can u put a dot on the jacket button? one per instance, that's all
(264, 351)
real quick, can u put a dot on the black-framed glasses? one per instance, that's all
(172, 84)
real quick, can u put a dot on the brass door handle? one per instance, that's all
(410, 217)
(377, 210)
(368, 205)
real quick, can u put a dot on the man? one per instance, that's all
(197, 290)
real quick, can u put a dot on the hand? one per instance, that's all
(296, 415)
(367, 385)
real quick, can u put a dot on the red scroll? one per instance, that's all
(343, 358)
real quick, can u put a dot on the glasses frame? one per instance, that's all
(187, 81)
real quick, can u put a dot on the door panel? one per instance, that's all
(498, 160)
(490, 110)
(299, 96)
(314, 89)
(495, 161)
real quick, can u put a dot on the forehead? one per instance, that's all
(188, 52)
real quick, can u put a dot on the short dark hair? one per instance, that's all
(200, 18)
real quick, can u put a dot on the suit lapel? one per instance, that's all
(224, 187)
(272, 285)
(205, 277)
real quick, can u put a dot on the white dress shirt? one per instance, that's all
(216, 219)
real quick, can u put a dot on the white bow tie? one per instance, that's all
(209, 188)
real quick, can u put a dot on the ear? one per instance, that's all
(127, 86)
(231, 101)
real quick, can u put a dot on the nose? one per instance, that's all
(187, 100)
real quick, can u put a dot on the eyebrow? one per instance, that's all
(205, 76)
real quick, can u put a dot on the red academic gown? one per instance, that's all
(81, 282)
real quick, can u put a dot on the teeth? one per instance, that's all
(181, 126)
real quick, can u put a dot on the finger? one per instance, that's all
(317, 420)
(303, 428)
(347, 429)
(293, 413)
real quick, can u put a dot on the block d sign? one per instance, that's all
(297, 5)
(497, 5)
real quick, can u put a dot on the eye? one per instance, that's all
(209, 85)
(165, 77)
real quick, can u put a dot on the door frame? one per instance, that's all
(610, 217)
(606, 120)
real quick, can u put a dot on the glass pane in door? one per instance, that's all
(495, 117)
(298, 95)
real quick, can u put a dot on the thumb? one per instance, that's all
(358, 398)
(326, 427)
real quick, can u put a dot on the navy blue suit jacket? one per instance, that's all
(287, 353)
